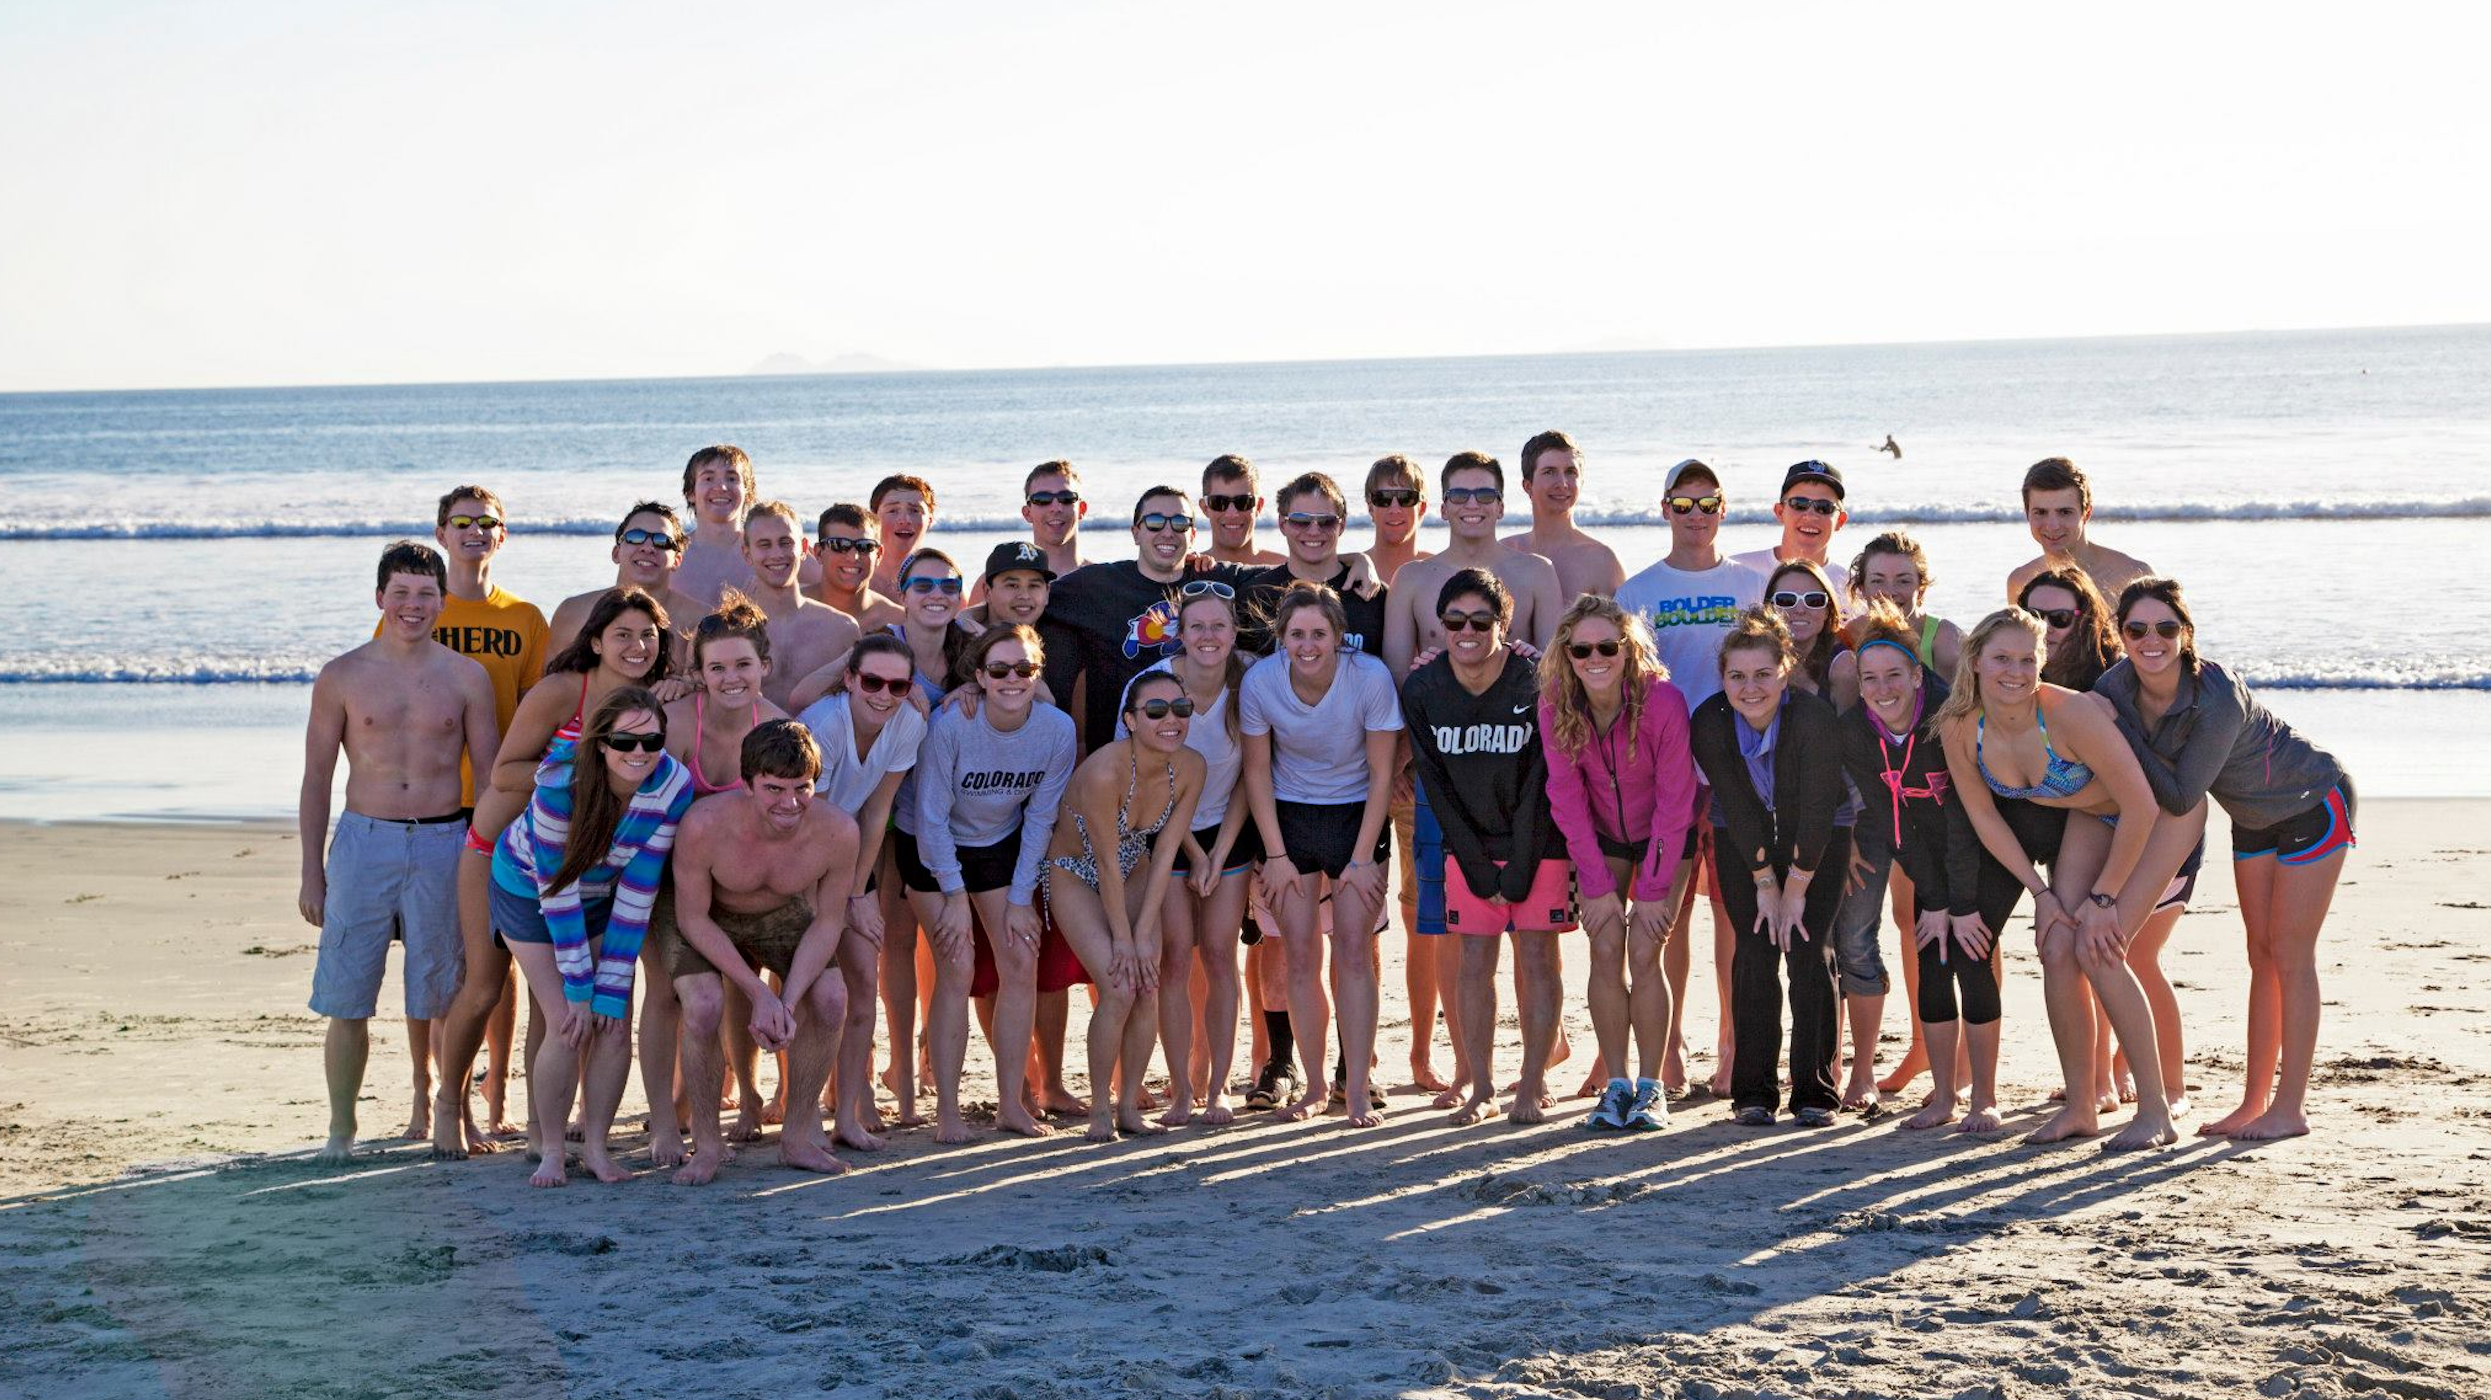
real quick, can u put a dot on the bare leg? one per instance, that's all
(500, 1029)
(419, 1060)
(1178, 919)
(1981, 1114)
(821, 1023)
(1418, 977)
(744, 1059)
(1016, 1003)
(1354, 985)
(661, 1018)
(1049, 1024)
(2145, 960)
(858, 1123)
(2080, 861)
(1610, 1012)
(1867, 1012)
(1539, 993)
(480, 985)
(1216, 957)
(1450, 996)
(899, 990)
(1725, 954)
(2071, 1029)
(1198, 1028)
(608, 1068)
(947, 1027)
(703, 999)
(1310, 1014)
(2292, 915)
(1477, 958)
(1676, 963)
(1938, 1039)
(1915, 1059)
(349, 1046)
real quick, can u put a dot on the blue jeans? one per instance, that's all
(1858, 963)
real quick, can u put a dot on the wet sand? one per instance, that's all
(162, 1231)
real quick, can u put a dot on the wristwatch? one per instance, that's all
(2103, 901)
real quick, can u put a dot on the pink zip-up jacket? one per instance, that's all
(1600, 792)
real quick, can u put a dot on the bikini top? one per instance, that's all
(577, 724)
(1131, 845)
(703, 787)
(2060, 777)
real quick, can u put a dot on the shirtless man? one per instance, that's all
(903, 507)
(804, 634)
(717, 489)
(647, 548)
(1232, 500)
(2058, 508)
(848, 542)
(761, 875)
(1396, 498)
(1472, 493)
(1552, 476)
(406, 710)
(1812, 511)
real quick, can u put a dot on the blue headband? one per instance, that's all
(1890, 642)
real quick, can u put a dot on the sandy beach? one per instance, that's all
(162, 1231)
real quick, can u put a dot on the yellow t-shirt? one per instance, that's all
(504, 633)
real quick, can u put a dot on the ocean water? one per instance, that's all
(183, 561)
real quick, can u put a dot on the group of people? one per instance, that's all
(776, 778)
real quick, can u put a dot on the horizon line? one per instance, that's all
(1249, 364)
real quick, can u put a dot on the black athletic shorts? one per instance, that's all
(2306, 838)
(1323, 836)
(982, 868)
(1244, 854)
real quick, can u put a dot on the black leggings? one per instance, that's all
(1756, 969)
(2037, 829)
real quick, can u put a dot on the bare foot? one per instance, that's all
(2069, 1122)
(1149, 1100)
(729, 1098)
(477, 1140)
(807, 1155)
(890, 1078)
(950, 1129)
(1914, 1063)
(1056, 1099)
(1981, 1122)
(855, 1132)
(2233, 1121)
(1470, 1112)
(2273, 1124)
(2106, 1098)
(575, 1131)
(1180, 1115)
(747, 1125)
(1721, 1082)
(601, 1166)
(1530, 1105)
(1565, 1052)
(2144, 1132)
(449, 1137)
(502, 1129)
(666, 1148)
(1594, 1083)
(909, 1117)
(549, 1172)
(1018, 1119)
(1861, 1092)
(701, 1167)
(339, 1150)
(2124, 1083)
(419, 1123)
(2179, 1109)
(1935, 1114)
(1450, 1097)
(774, 1112)
(1305, 1106)
(1217, 1111)
(1102, 1129)
(1423, 1076)
(1673, 1069)
(1131, 1123)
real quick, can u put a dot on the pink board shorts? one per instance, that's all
(1548, 908)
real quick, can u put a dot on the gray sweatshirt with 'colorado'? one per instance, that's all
(976, 785)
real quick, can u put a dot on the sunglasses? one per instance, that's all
(1465, 495)
(1227, 503)
(848, 546)
(662, 539)
(1308, 520)
(2061, 618)
(1810, 503)
(481, 522)
(2138, 631)
(1161, 709)
(1457, 621)
(1809, 599)
(871, 684)
(1198, 587)
(1682, 505)
(1582, 651)
(646, 742)
(1055, 498)
(922, 584)
(1161, 520)
(997, 670)
(1392, 500)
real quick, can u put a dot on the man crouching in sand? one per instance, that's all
(761, 877)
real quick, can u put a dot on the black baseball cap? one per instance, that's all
(1017, 556)
(1813, 471)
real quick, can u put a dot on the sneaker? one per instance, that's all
(1815, 1117)
(1611, 1112)
(1649, 1110)
(1753, 1117)
(1275, 1086)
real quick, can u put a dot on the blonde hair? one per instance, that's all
(1561, 690)
(1965, 699)
(1759, 628)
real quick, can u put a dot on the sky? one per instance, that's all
(264, 193)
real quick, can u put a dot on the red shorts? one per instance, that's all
(1058, 968)
(1547, 908)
